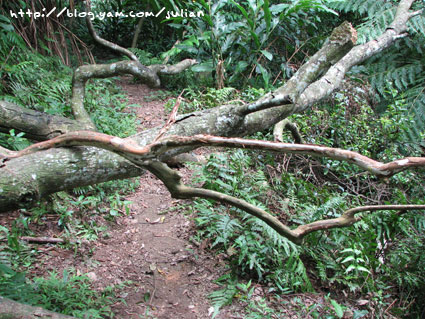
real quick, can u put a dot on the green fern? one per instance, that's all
(223, 297)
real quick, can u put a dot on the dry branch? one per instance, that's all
(43, 240)
(147, 75)
(139, 155)
(146, 157)
(172, 181)
(106, 43)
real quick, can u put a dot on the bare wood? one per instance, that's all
(43, 240)
(147, 75)
(146, 157)
(37, 125)
(4, 152)
(172, 180)
(171, 119)
(24, 181)
(131, 151)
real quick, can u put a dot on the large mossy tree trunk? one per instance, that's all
(26, 179)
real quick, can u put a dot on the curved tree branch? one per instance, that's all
(172, 181)
(106, 43)
(148, 75)
(86, 165)
(278, 131)
(146, 157)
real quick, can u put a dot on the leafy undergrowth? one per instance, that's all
(373, 269)
(70, 294)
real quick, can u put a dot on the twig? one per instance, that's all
(43, 240)
(50, 240)
(171, 119)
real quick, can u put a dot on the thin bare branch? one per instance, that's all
(146, 157)
(348, 218)
(286, 124)
(4, 152)
(172, 181)
(147, 75)
(171, 119)
(106, 43)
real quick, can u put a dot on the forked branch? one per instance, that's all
(172, 181)
(146, 74)
(147, 157)
(130, 150)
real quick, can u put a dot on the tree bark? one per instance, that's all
(10, 309)
(36, 125)
(147, 157)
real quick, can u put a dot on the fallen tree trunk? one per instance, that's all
(26, 179)
(10, 309)
(36, 125)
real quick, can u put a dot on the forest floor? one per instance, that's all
(171, 276)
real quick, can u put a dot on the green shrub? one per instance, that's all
(70, 295)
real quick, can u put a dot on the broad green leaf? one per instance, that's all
(350, 268)
(278, 8)
(245, 14)
(338, 309)
(361, 268)
(256, 39)
(267, 54)
(242, 65)
(203, 67)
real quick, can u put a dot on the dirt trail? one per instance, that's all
(171, 278)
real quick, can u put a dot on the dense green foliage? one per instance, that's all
(396, 74)
(251, 45)
(43, 83)
(254, 42)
